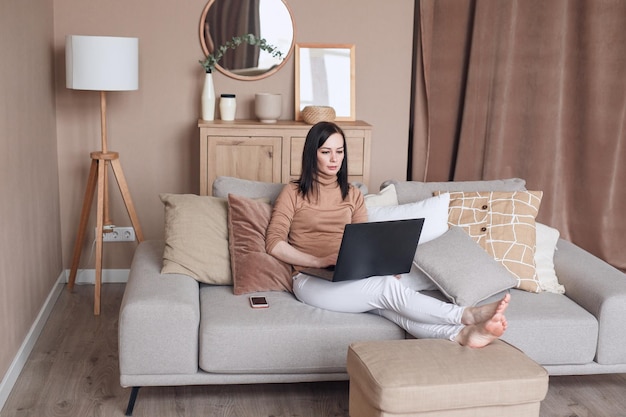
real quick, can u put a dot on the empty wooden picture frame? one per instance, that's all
(325, 76)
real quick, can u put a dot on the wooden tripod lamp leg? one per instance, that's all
(121, 182)
(99, 234)
(84, 218)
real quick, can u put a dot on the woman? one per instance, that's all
(306, 229)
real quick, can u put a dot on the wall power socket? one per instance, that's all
(118, 234)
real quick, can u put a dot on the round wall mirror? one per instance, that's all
(269, 19)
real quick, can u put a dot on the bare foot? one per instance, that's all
(477, 315)
(481, 334)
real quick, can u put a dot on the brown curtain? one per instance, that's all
(533, 89)
(227, 19)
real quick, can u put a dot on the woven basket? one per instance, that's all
(315, 114)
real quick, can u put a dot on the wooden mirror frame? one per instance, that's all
(346, 78)
(225, 71)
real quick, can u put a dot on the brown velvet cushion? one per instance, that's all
(253, 269)
(503, 223)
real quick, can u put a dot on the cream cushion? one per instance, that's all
(547, 238)
(196, 237)
(433, 210)
(385, 197)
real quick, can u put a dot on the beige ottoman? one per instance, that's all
(440, 378)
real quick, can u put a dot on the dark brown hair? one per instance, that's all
(317, 136)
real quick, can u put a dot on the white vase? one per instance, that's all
(208, 98)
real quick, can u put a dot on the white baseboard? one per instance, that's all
(109, 276)
(27, 345)
(86, 276)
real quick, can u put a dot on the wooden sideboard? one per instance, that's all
(257, 151)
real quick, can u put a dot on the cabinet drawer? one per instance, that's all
(257, 158)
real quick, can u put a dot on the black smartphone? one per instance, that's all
(258, 302)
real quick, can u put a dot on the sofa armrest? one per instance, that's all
(600, 289)
(159, 318)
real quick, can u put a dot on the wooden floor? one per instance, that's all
(73, 371)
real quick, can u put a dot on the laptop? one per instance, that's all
(373, 249)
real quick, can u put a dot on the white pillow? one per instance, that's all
(385, 197)
(547, 237)
(434, 210)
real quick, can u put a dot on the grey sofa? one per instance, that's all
(175, 331)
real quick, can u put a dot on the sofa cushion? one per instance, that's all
(409, 191)
(463, 271)
(196, 238)
(550, 328)
(222, 186)
(287, 337)
(503, 223)
(253, 269)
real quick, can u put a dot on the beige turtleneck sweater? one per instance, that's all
(314, 226)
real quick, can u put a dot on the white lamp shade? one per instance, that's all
(101, 63)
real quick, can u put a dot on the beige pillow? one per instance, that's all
(253, 269)
(503, 223)
(196, 237)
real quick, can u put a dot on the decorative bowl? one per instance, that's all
(315, 114)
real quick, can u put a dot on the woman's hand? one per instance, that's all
(288, 254)
(327, 261)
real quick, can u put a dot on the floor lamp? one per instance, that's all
(101, 63)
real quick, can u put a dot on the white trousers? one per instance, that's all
(420, 315)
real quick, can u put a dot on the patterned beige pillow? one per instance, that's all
(502, 223)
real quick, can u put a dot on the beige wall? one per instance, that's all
(155, 130)
(30, 252)
(44, 157)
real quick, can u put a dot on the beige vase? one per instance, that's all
(268, 107)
